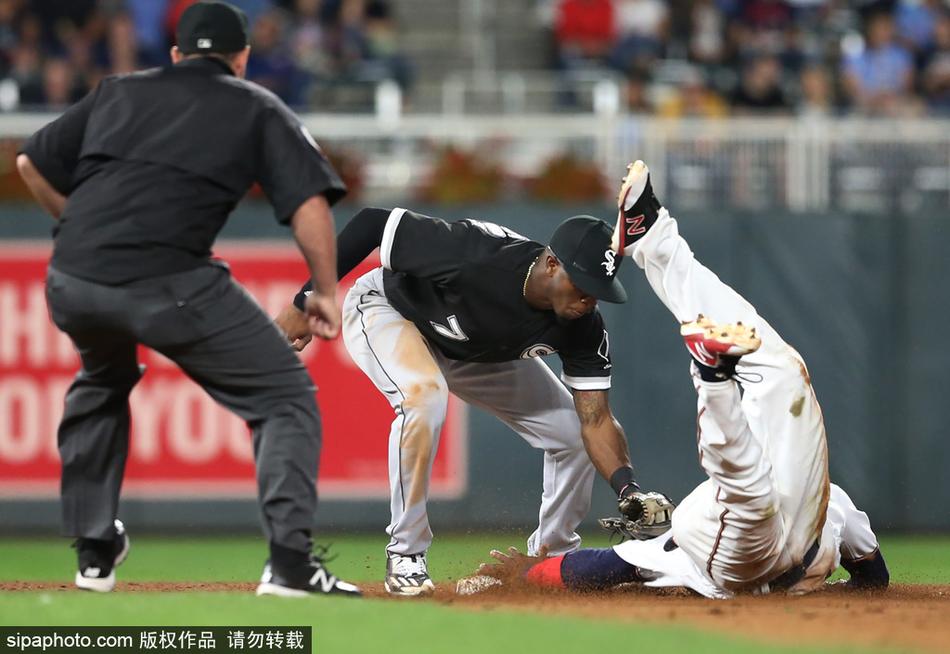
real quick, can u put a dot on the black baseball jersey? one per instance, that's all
(152, 163)
(461, 284)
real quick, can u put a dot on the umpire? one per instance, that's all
(141, 175)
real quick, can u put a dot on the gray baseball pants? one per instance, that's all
(212, 329)
(416, 379)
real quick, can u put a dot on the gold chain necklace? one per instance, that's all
(524, 289)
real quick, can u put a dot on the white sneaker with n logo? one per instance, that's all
(408, 575)
(324, 578)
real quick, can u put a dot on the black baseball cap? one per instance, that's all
(211, 27)
(582, 245)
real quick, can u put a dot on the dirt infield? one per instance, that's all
(906, 616)
(135, 587)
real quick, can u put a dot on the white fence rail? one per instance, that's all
(739, 163)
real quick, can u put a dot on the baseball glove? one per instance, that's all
(653, 511)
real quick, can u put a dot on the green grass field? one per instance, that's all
(342, 625)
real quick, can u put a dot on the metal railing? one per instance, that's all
(737, 163)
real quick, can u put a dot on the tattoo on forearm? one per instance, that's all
(592, 407)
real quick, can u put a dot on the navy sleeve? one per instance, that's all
(596, 569)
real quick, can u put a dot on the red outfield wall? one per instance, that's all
(183, 444)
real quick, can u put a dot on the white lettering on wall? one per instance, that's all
(24, 325)
(172, 418)
(238, 436)
(54, 400)
(27, 335)
(21, 437)
(148, 402)
(191, 430)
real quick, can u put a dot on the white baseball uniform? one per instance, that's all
(768, 497)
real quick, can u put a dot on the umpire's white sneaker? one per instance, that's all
(98, 560)
(637, 208)
(408, 575)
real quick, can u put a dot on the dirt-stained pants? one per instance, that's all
(417, 379)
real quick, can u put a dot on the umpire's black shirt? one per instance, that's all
(152, 163)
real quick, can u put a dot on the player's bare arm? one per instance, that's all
(295, 326)
(48, 197)
(603, 436)
(313, 230)
(645, 514)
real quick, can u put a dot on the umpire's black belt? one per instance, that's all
(797, 572)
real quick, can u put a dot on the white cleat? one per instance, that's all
(709, 341)
(408, 575)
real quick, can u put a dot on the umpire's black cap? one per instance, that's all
(582, 245)
(211, 27)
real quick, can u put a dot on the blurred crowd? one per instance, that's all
(677, 57)
(53, 51)
(717, 57)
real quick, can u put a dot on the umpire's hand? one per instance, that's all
(295, 326)
(323, 315)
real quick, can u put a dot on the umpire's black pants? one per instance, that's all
(211, 328)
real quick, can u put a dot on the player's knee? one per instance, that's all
(762, 507)
(426, 397)
(110, 380)
(754, 502)
(309, 411)
(790, 371)
(294, 392)
(294, 415)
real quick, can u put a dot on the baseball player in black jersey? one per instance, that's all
(141, 175)
(467, 307)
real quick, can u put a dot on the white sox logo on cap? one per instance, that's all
(582, 246)
(609, 263)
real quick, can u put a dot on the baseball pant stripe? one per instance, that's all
(402, 428)
(524, 394)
